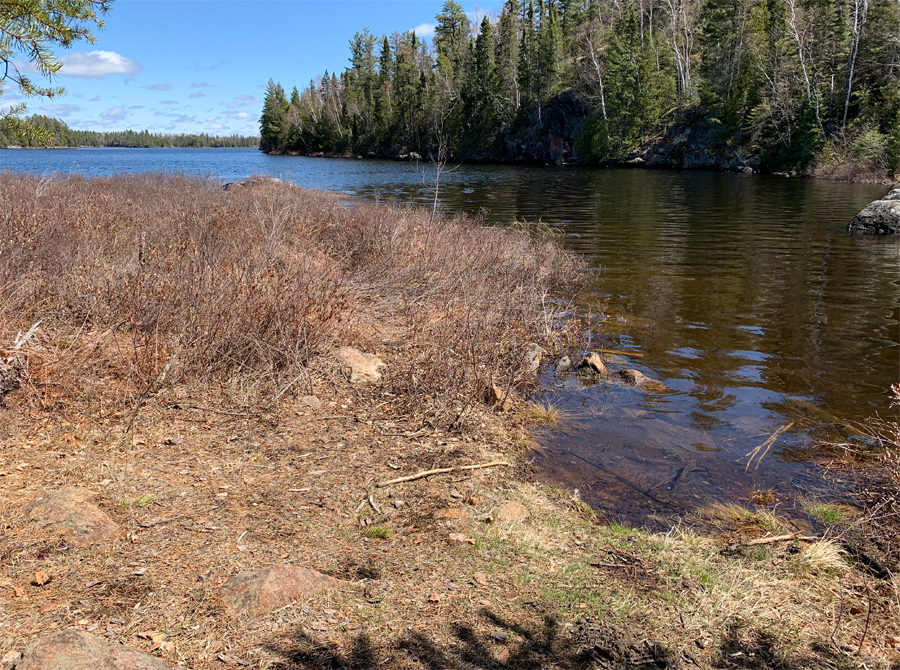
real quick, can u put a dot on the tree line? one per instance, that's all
(55, 133)
(790, 80)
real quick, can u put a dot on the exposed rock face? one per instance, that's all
(262, 591)
(881, 217)
(72, 512)
(512, 510)
(693, 141)
(362, 368)
(552, 132)
(592, 364)
(74, 649)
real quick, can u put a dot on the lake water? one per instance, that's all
(741, 294)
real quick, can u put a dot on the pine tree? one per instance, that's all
(508, 60)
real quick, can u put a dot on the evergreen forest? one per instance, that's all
(63, 136)
(787, 82)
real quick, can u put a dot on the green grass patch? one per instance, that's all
(140, 501)
(376, 532)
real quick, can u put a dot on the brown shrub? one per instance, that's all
(174, 278)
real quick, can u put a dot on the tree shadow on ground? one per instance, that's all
(744, 647)
(509, 644)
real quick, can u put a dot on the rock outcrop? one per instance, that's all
(881, 217)
(72, 512)
(251, 182)
(263, 591)
(74, 649)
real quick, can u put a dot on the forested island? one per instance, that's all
(735, 84)
(63, 136)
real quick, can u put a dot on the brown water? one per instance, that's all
(747, 299)
(742, 294)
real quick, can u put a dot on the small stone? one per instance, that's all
(512, 510)
(532, 356)
(499, 635)
(74, 649)
(563, 364)
(633, 377)
(362, 368)
(497, 398)
(72, 512)
(592, 364)
(309, 401)
(451, 513)
(263, 591)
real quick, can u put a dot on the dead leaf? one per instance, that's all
(8, 658)
(459, 537)
(18, 592)
(41, 578)
(155, 637)
(503, 656)
(481, 578)
(434, 598)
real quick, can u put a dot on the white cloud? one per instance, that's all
(242, 101)
(213, 119)
(96, 98)
(169, 102)
(98, 64)
(198, 94)
(112, 115)
(239, 116)
(61, 110)
(200, 84)
(424, 29)
(159, 87)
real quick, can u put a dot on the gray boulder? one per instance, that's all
(74, 649)
(881, 217)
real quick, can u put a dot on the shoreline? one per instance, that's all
(205, 474)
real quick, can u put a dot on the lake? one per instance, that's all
(742, 295)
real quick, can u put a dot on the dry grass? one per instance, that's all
(143, 281)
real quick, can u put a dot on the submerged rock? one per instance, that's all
(633, 377)
(74, 649)
(881, 217)
(362, 368)
(263, 591)
(71, 511)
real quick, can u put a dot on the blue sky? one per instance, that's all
(189, 66)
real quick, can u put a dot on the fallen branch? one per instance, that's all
(784, 538)
(438, 471)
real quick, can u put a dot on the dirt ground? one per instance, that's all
(433, 578)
